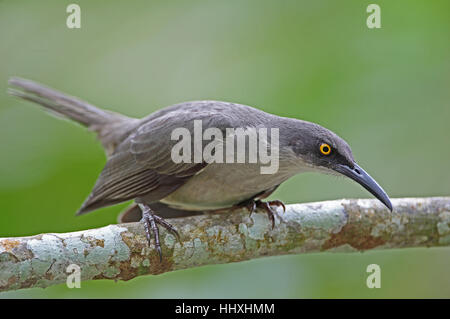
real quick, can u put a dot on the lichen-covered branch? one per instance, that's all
(121, 251)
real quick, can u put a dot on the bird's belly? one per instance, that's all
(222, 185)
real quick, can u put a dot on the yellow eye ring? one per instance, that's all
(325, 149)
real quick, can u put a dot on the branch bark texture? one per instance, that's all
(121, 252)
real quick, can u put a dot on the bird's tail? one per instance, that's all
(111, 127)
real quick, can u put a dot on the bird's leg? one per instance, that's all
(150, 220)
(252, 204)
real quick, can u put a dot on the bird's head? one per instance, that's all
(324, 151)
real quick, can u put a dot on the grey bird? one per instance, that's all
(139, 165)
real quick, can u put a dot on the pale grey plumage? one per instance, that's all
(139, 162)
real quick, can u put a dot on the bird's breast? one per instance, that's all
(222, 185)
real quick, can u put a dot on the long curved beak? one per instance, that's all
(365, 180)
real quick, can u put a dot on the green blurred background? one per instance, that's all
(385, 91)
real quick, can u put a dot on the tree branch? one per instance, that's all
(121, 251)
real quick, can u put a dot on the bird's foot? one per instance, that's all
(252, 205)
(150, 221)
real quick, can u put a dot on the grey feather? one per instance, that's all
(139, 162)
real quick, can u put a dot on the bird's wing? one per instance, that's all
(142, 165)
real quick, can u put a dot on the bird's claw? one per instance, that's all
(251, 206)
(267, 206)
(150, 221)
(161, 221)
(277, 203)
(270, 212)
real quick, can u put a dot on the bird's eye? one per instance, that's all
(325, 149)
